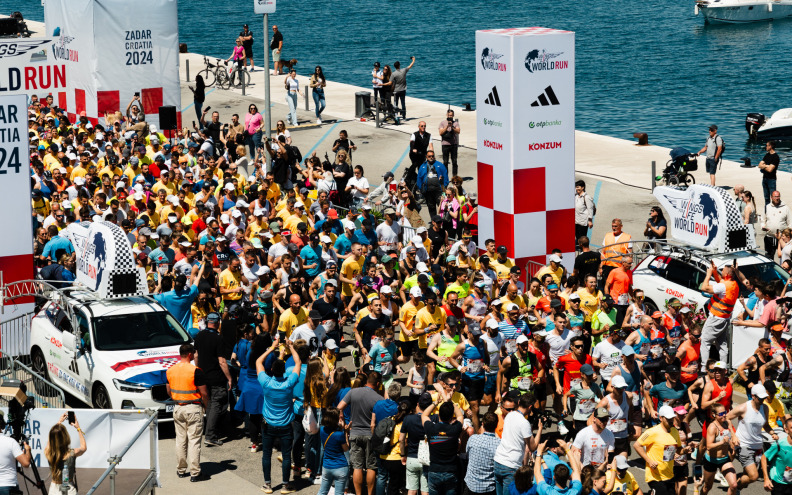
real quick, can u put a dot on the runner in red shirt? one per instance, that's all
(567, 368)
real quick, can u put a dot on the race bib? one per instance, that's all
(669, 452)
(474, 365)
(374, 341)
(575, 383)
(623, 299)
(586, 406)
(788, 474)
(644, 349)
(525, 383)
(511, 346)
(329, 325)
(636, 400)
(386, 368)
(617, 425)
(599, 455)
(656, 350)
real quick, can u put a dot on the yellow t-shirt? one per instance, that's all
(110, 171)
(502, 269)
(350, 269)
(41, 207)
(519, 301)
(395, 452)
(230, 280)
(78, 172)
(407, 316)
(661, 447)
(775, 412)
(292, 221)
(170, 187)
(555, 274)
(132, 173)
(456, 398)
(273, 192)
(52, 162)
(289, 321)
(168, 209)
(198, 314)
(589, 303)
(627, 485)
(423, 319)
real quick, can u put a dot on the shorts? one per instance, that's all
(539, 391)
(416, 476)
(362, 456)
(712, 466)
(748, 456)
(778, 489)
(636, 416)
(275, 56)
(621, 445)
(473, 389)
(249, 51)
(681, 473)
(407, 348)
(711, 166)
(490, 383)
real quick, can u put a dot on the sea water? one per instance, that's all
(648, 66)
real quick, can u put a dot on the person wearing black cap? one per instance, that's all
(671, 392)
(210, 357)
(247, 44)
(471, 358)
(432, 180)
(312, 332)
(428, 321)
(502, 264)
(714, 150)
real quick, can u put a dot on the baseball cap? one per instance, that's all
(420, 230)
(627, 351)
(574, 297)
(275, 227)
(586, 369)
(491, 323)
(229, 186)
(314, 315)
(224, 218)
(425, 400)
(484, 258)
(621, 463)
(332, 213)
(214, 317)
(540, 333)
(668, 412)
(241, 203)
(496, 302)
(416, 291)
(512, 307)
(720, 365)
(618, 382)
(522, 339)
(607, 299)
(474, 330)
(388, 175)
(555, 258)
(680, 410)
(236, 214)
(324, 239)
(657, 314)
(556, 303)
(421, 267)
(672, 368)
(365, 207)
(331, 344)
(760, 391)
(713, 127)
(685, 309)
(411, 249)
(502, 250)
(222, 238)
(602, 413)
(452, 321)
(389, 211)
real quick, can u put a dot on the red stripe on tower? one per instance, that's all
(560, 230)
(504, 231)
(14, 269)
(529, 190)
(79, 101)
(107, 102)
(152, 100)
(485, 185)
(62, 100)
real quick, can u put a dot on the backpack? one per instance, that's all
(594, 205)
(381, 438)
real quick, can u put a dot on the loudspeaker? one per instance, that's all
(167, 117)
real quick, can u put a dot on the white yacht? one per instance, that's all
(740, 11)
(777, 127)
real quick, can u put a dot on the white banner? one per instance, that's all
(705, 217)
(106, 434)
(28, 66)
(16, 250)
(263, 6)
(114, 50)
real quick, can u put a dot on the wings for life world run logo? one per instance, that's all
(61, 51)
(541, 60)
(489, 60)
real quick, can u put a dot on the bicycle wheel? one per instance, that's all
(688, 180)
(221, 79)
(208, 77)
(244, 75)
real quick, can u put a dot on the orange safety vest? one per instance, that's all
(722, 307)
(613, 253)
(692, 355)
(181, 378)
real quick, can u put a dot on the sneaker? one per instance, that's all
(267, 488)
(659, 178)
(254, 447)
(200, 477)
(182, 475)
(213, 443)
(307, 474)
(356, 358)
(721, 479)
(319, 121)
(288, 488)
(317, 480)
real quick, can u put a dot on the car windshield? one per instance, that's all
(766, 272)
(138, 331)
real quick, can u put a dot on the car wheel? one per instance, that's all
(40, 368)
(101, 399)
(651, 307)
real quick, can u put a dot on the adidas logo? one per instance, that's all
(546, 99)
(493, 98)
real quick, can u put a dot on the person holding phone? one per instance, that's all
(61, 457)
(11, 453)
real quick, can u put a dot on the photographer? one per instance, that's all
(449, 132)
(11, 453)
(61, 458)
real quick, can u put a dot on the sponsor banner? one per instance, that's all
(112, 51)
(29, 66)
(705, 217)
(494, 110)
(106, 433)
(105, 262)
(16, 251)
(263, 6)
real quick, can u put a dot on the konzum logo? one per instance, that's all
(493, 145)
(550, 145)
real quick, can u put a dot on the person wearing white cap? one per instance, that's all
(618, 405)
(751, 419)
(554, 268)
(657, 446)
(607, 354)
(407, 341)
(519, 370)
(512, 326)
(494, 341)
(593, 443)
(415, 248)
(624, 481)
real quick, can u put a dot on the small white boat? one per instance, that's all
(778, 127)
(740, 11)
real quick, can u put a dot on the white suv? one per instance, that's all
(117, 356)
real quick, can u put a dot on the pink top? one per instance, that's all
(253, 122)
(239, 52)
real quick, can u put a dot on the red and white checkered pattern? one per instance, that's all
(525, 31)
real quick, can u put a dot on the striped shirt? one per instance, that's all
(480, 477)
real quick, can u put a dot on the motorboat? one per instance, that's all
(778, 127)
(740, 11)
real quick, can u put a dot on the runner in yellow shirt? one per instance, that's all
(292, 318)
(657, 447)
(350, 270)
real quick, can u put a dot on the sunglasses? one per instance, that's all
(577, 347)
(721, 414)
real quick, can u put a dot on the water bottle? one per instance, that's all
(65, 478)
(562, 428)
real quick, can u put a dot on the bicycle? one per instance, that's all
(208, 73)
(225, 78)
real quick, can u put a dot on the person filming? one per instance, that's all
(11, 453)
(62, 458)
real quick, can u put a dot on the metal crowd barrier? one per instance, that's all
(532, 268)
(44, 393)
(15, 336)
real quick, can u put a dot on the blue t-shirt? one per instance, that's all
(242, 351)
(54, 245)
(385, 409)
(160, 257)
(299, 389)
(343, 245)
(380, 355)
(178, 303)
(278, 410)
(311, 255)
(367, 238)
(574, 488)
(347, 410)
(664, 394)
(333, 448)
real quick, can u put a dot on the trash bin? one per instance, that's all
(362, 103)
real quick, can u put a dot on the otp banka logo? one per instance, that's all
(489, 60)
(540, 60)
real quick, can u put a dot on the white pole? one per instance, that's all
(267, 112)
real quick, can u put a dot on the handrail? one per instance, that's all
(116, 459)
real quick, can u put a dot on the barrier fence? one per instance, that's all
(45, 394)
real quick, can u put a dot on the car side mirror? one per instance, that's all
(69, 342)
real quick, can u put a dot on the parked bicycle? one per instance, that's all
(225, 77)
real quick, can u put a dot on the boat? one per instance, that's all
(778, 127)
(741, 11)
